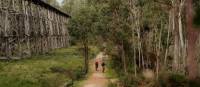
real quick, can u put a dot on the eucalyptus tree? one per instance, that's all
(192, 36)
(144, 33)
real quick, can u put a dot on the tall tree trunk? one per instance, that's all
(86, 57)
(176, 53)
(123, 57)
(180, 23)
(168, 35)
(182, 42)
(135, 63)
(142, 56)
(176, 36)
(192, 36)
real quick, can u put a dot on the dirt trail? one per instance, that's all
(97, 78)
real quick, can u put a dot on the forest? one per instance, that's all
(142, 36)
(148, 43)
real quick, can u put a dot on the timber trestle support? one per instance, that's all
(30, 27)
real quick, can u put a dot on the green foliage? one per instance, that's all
(176, 80)
(197, 11)
(81, 25)
(42, 70)
(194, 83)
(112, 85)
(130, 81)
(110, 21)
(197, 17)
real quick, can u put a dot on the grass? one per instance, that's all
(40, 71)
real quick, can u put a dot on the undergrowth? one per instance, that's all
(50, 70)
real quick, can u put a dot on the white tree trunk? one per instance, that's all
(168, 34)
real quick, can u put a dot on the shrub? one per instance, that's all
(172, 80)
(79, 73)
(194, 83)
(112, 85)
(129, 81)
(177, 80)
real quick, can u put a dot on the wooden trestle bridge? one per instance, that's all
(30, 27)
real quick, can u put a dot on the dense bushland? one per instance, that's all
(142, 38)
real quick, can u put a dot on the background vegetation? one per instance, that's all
(151, 43)
(50, 70)
(141, 35)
